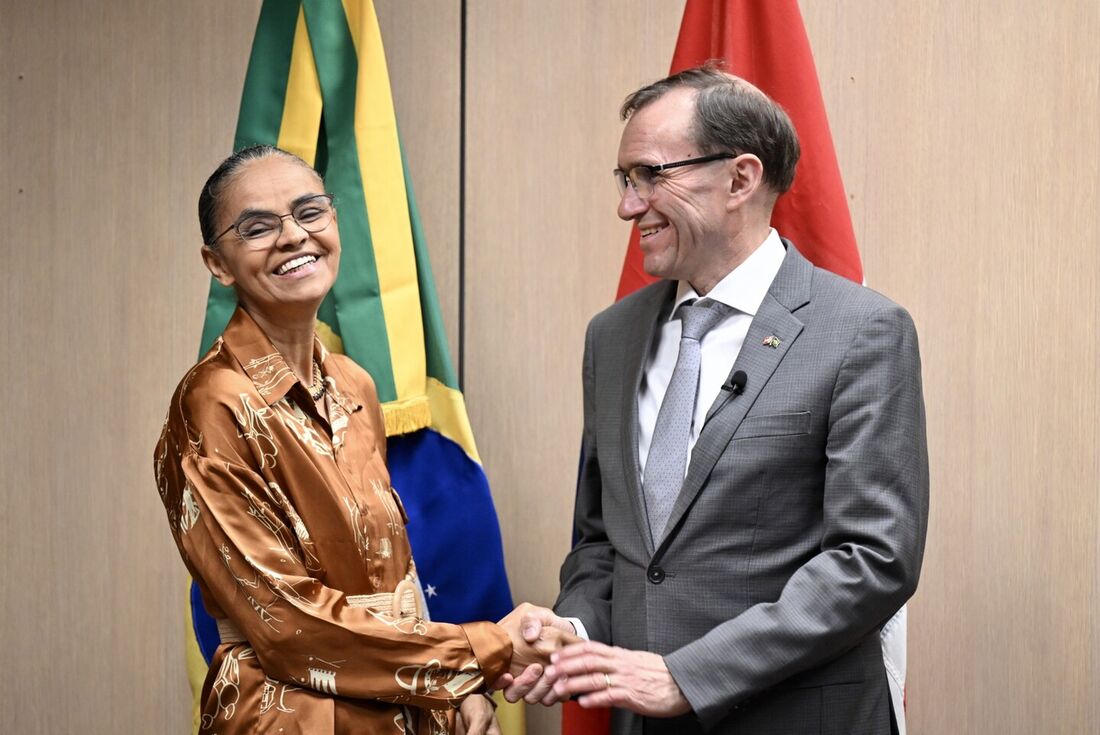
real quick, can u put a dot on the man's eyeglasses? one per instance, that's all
(642, 178)
(259, 230)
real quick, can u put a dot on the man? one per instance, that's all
(750, 518)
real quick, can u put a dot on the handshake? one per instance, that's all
(538, 635)
(551, 663)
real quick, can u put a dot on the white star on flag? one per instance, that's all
(430, 591)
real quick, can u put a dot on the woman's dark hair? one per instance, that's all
(214, 187)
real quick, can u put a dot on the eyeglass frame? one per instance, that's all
(624, 179)
(282, 218)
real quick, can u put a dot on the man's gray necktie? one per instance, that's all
(667, 459)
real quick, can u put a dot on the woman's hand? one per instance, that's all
(536, 633)
(477, 716)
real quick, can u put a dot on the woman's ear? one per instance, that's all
(212, 259)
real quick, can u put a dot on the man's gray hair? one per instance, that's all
(731, 115)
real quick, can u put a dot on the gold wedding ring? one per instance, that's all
(607, 678)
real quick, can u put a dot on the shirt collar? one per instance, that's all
(343, 394)
(745, 287)
(266, 367)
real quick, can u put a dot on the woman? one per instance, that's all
(272, 468)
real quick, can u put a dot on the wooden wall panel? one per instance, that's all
(544, 247)
(967, 133)
(112, 114)
(111, 117)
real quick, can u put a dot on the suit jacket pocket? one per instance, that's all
(776, 424)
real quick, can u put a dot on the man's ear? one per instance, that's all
(213, 261)
(746, 180)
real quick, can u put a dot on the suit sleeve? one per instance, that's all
(586, 573)
(875, 518)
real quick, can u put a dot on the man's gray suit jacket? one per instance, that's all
(800, 527)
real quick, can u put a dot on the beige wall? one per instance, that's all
(967, 134)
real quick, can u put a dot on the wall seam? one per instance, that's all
(462, 200)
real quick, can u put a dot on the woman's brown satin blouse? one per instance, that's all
(289, 525)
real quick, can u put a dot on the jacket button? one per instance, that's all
(655, 574)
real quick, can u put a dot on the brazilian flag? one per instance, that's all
(317, 86)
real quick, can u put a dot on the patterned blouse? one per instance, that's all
(297, 541)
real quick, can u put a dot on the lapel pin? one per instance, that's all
(772, 342)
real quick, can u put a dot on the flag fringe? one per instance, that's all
(402, 417)
(407, 416)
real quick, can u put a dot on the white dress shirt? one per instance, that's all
(743, 288)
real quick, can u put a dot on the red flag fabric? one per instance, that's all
(576, 720)
(765, 43)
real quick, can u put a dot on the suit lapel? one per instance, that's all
(759, 357)
(640, 330)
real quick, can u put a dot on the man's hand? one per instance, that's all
(536, 633)
(607, 676)
(477, 716)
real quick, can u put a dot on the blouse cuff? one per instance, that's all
(491, 646)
